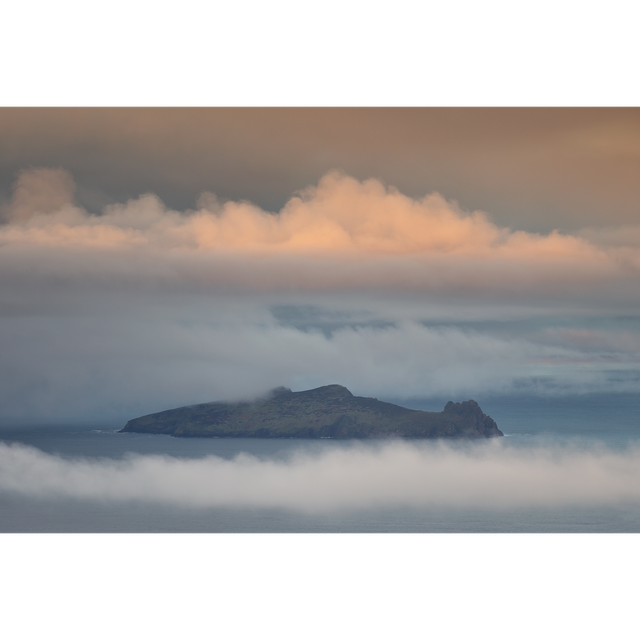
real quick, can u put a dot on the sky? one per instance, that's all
(156, 257)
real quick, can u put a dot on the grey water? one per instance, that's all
(611, 421)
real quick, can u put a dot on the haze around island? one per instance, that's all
(385, 276)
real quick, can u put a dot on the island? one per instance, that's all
(327, 412)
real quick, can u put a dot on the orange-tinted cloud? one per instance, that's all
(342, 233)
(40, 191)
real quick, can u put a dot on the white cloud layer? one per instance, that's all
(489, 475)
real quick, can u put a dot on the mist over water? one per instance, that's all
(565, 464)
(356, 476)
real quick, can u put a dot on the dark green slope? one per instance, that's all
(327, 412)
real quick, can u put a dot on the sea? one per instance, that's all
(609, 422)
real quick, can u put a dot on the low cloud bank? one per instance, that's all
(489, 475)
(120, 368)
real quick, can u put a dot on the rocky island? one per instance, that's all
(327, 412)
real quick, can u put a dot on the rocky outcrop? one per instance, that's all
(472, 413)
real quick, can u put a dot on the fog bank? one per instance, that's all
(489, 475)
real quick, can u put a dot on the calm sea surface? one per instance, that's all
(612, 421)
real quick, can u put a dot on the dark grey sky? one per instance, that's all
(532, 169)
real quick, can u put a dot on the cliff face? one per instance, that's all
(327, 412)
(471, 412)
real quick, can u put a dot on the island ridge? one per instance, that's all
(326, 412)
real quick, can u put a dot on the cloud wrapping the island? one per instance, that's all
(120, 368)
(397, 474)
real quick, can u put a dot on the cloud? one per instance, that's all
(361, 476)
(340, 235)
(142, 308)
(623, 236)
(116, 368)
(38, 191)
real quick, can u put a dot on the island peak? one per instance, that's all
(330, 390)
